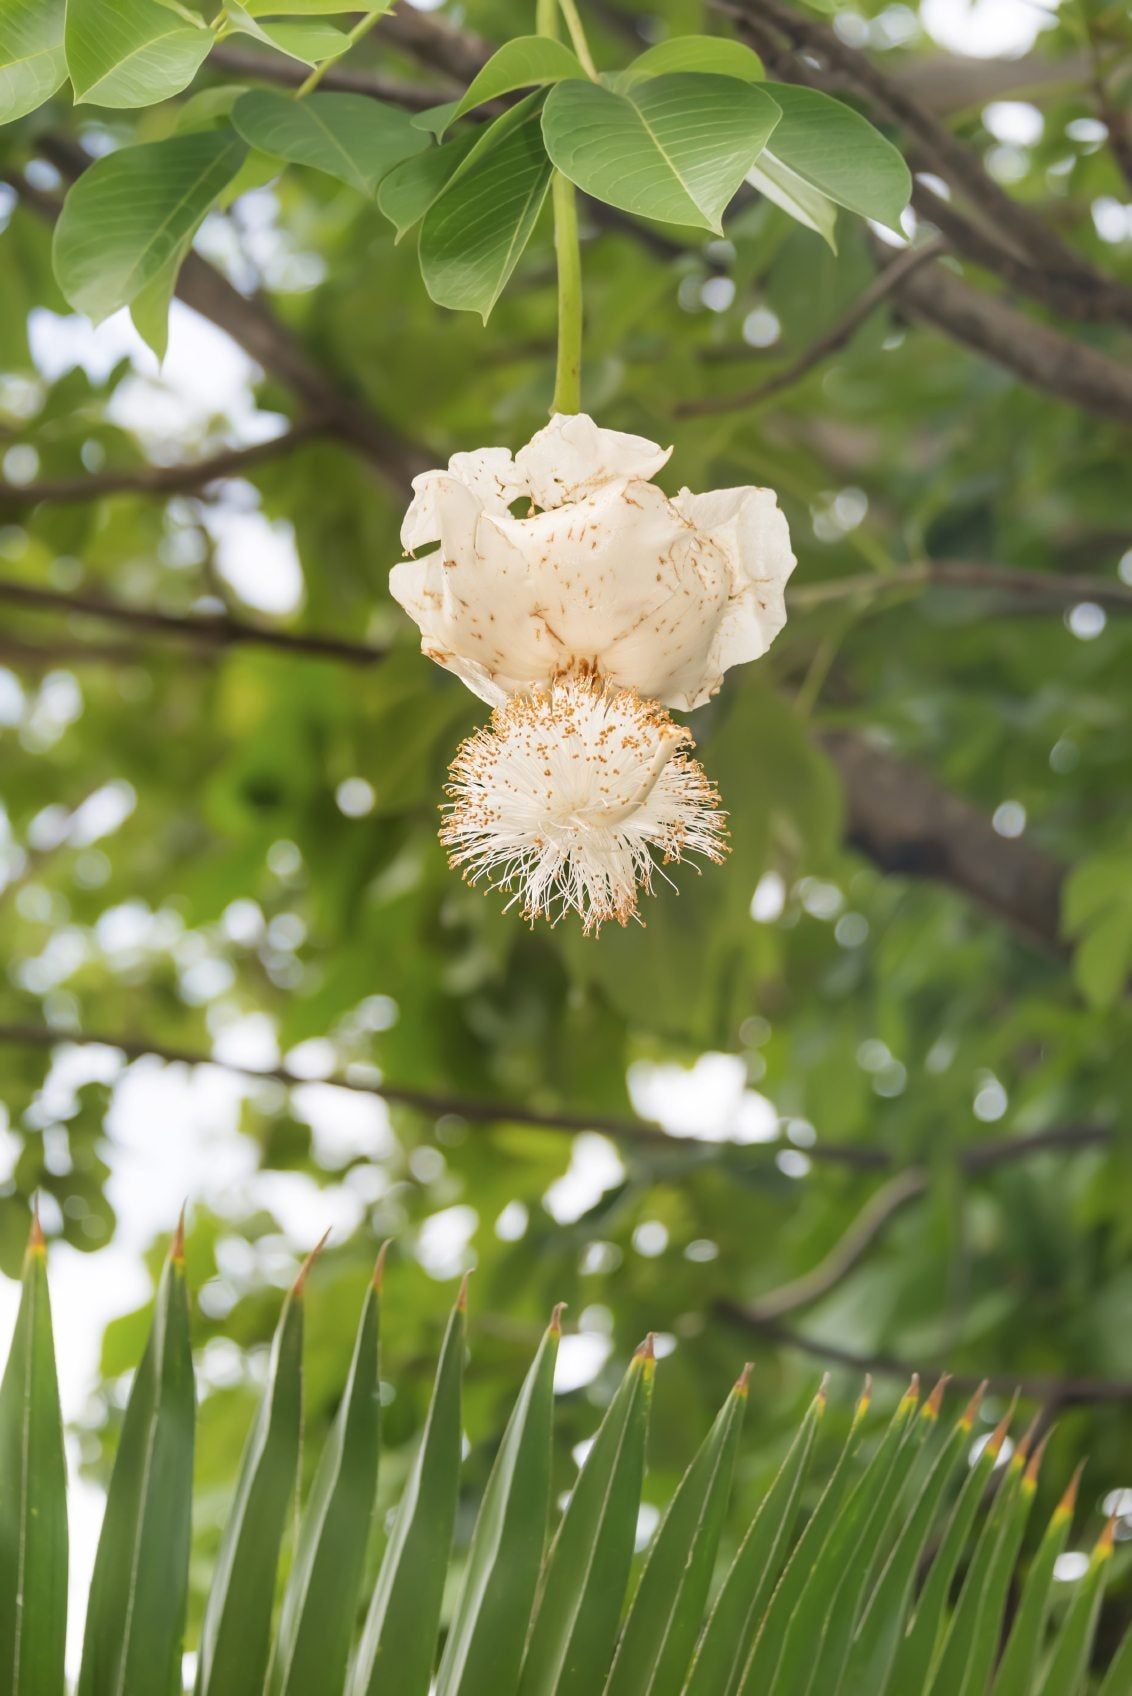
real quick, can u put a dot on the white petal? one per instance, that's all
(624, 585)
(572, 457)
(748, 526)
(490, 473)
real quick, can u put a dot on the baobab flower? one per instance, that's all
(571, 798)
(595, 571)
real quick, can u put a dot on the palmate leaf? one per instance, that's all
(660, 1633)
(235, 1639)
(316, 1623)
(33, 1498)
(489, 1625)
(399, 1642)
(735, 1617)
(139, 1590)
(579, 1603)
(826, 1610)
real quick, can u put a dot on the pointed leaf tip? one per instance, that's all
(742, 1383)
(462, 1294)
(177, 1246)
(304, 1270)
(379, 1264)
(37, 1242)
(934, 1403)
(1027, 1440)
(1067, 1506)
(970, 1412)
(555, 1326)
(646, 1350)
(1107, 1540)
(1035, 1462)
(998, 1435)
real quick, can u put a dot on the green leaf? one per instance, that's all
(33, 63)
(793, 195)
(316, 1624)
(149, 311)
(885, 1616)
(409, 190)
(235, 1638)
(1068, 1665)
(308, 40)
(1019, 1664)
(399, 1641)
(133, 53)
(130, 214)
(350, 137)
(476, 229)
(33, 1498)
(715, 55)
(767, 1647)
(674, 148)
(489, 1624)
(316, 8)
(579, 1606)
(835, 150)
(967, 1653)
(917, 1652)
(817, 1637)
(1118, 1679)
(660, 1632)
(434, 120)
(138, 1594)
(528, 61)
(734, 1619)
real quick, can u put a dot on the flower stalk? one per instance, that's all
(568, 369)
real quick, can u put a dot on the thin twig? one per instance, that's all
(160, 480)
(858, 1157)
(1056, 589)
(207, 630)
(831, 342)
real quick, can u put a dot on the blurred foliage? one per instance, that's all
(178, 863)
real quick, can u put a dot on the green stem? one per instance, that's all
(362, 27)
(578, 37)
(568, 371)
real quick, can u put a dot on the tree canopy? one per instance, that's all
(858, 1099)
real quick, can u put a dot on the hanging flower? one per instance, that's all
(572, 795)
(600, 572)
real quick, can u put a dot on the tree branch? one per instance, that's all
(1039, 356)
(907, 824)
(159, 480)
(253, 66)
(833, 340)
(1066, 1392)
(857, 1157)
(1046, 588)
(200, 630)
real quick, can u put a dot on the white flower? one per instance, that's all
(569, 796)
(601, 573)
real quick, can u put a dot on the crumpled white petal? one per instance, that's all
(490, 473)
(572, 457)
(604, 575)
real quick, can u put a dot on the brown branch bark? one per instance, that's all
(857, 1157)
(198, 630)
(907, 824)
(158, 480)
(1045, 589)
(1041, 357)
